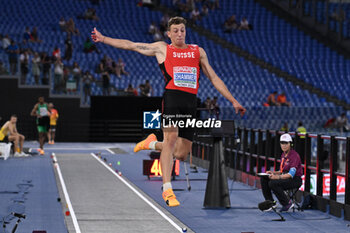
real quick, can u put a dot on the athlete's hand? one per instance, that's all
(96, 36)
(239, 108)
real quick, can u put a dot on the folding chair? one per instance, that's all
(292, 194)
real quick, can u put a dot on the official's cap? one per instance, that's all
(286, 138)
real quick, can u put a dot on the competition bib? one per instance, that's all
(185, 76)
(43, 111)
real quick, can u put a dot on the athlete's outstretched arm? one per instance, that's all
(218, 83)
(148, 49)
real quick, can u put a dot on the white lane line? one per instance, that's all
(110, 151)
(139, 194)
(74, 148)
(64, 189)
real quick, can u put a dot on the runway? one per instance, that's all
(103, 201)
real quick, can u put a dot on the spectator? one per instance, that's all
(207, 104)
(148, 90)
(26, 35)
(215, 107)
(152, 28)
(131, 91)
(34, 35)
(87, 81)
(195, 14)
(330, 123)
(282, 100)
(244, 24)
(63, 24)
(13, 51)
(300, 147)
(76, 73)
(89, 46)
(142, 90)
(105, 82)
(271, 99)
(99, 68)
(204, 11)
(6, 42)
(70, 25)
(230, 24)
(46, 64)
(9, 130)
(24, 61)
(190, 6)
(341, 123)
(53, 122)
(107, 63)
(285, 127)
(3, 70)
(36, 67)
(58, 80)
(301, 129)
(66, 73)
(158, 36)
(90, 14)
(68, 48)
(56, 53)
(163, 25)
(120, 68)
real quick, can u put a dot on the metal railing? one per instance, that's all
(259, 151)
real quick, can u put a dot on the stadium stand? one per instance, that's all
(282, 45)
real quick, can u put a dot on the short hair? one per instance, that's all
(176, 20)
(13, 115)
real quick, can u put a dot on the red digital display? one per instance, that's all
(153, 168)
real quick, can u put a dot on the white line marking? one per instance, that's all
(74, 148)
(110, 151)
(139, 194)
(64, 189)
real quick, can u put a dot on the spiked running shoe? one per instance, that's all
(170, 198)
(41, 151)
(144, 145)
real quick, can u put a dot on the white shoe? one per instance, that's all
(24, 154)
(18, 155)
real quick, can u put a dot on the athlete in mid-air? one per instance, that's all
(180, 64)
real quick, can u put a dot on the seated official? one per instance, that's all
(9, 133)
(288, 177)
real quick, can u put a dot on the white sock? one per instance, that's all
(152, 145)
(167, 186)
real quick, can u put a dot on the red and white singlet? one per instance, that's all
(181, 69)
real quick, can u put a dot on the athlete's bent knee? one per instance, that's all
(181, 157)
(182, 154)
